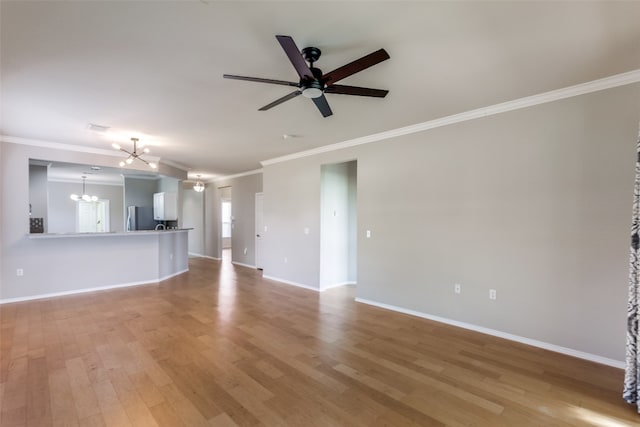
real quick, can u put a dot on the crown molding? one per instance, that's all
(517, 104)
(71, 147)
(175, 165)
(237, 175)
(59, 146)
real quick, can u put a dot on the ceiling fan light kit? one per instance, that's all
(313, 83)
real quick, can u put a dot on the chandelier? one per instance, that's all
(134, 154)
(85, 196)
(199, 186)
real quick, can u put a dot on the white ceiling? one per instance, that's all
(154, 69)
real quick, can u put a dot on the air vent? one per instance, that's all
(97, 128)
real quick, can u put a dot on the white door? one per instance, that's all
(259, 230)
(92, 217)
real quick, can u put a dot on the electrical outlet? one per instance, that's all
(457, 288)
(368, 234)
(19, 272)
(493, 294)
(245, 251)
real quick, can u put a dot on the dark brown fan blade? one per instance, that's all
(295, 57)
(355, 66)
(259, 80)
(281, 100)
(354, 90)
(323, 106)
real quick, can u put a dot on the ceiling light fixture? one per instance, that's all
(134, 154)
(85, 196)
(199, 186)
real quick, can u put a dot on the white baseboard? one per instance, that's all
(336, 285)
(243, 265)
(85, 290)
(500, 334)
(289, 282)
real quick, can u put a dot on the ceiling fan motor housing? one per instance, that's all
(311, 54)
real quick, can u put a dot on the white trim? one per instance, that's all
(517, 104)
(500, 334)
(336, 285)
(243, 265)
(82, 149)
(288, 282)
(211, 257)
(237, 175)
(85, 290)
(79, 181)
(175, 165)
(60, 146)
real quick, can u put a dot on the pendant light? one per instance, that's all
(199, 186)
(133, 155)
(85, 196)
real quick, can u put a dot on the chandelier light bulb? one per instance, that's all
(122, 164)
(129, 161)
(153, 165)
(86, 198)
(74, 197)
(146, 150)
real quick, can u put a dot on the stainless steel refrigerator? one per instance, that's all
(140, 218)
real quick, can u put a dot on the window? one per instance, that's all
(226, 219)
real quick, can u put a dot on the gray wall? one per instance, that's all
(534, 203)
(62, 210)
(139, 191)
(211, 222)
(193, 217)
(291, 204)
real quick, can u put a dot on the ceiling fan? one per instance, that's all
(313, 84)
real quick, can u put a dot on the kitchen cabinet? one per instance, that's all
(165, 206)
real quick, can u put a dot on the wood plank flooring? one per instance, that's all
(220, 346)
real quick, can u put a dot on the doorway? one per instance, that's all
(259, 228)
(92, 217)
(226, 223)
(338, 224)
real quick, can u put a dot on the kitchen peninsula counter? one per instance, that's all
(70, 263)
(106, 234)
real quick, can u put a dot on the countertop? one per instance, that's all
(106, 234)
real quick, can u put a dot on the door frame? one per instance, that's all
(258, 214)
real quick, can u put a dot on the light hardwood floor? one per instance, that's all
(220, 346)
